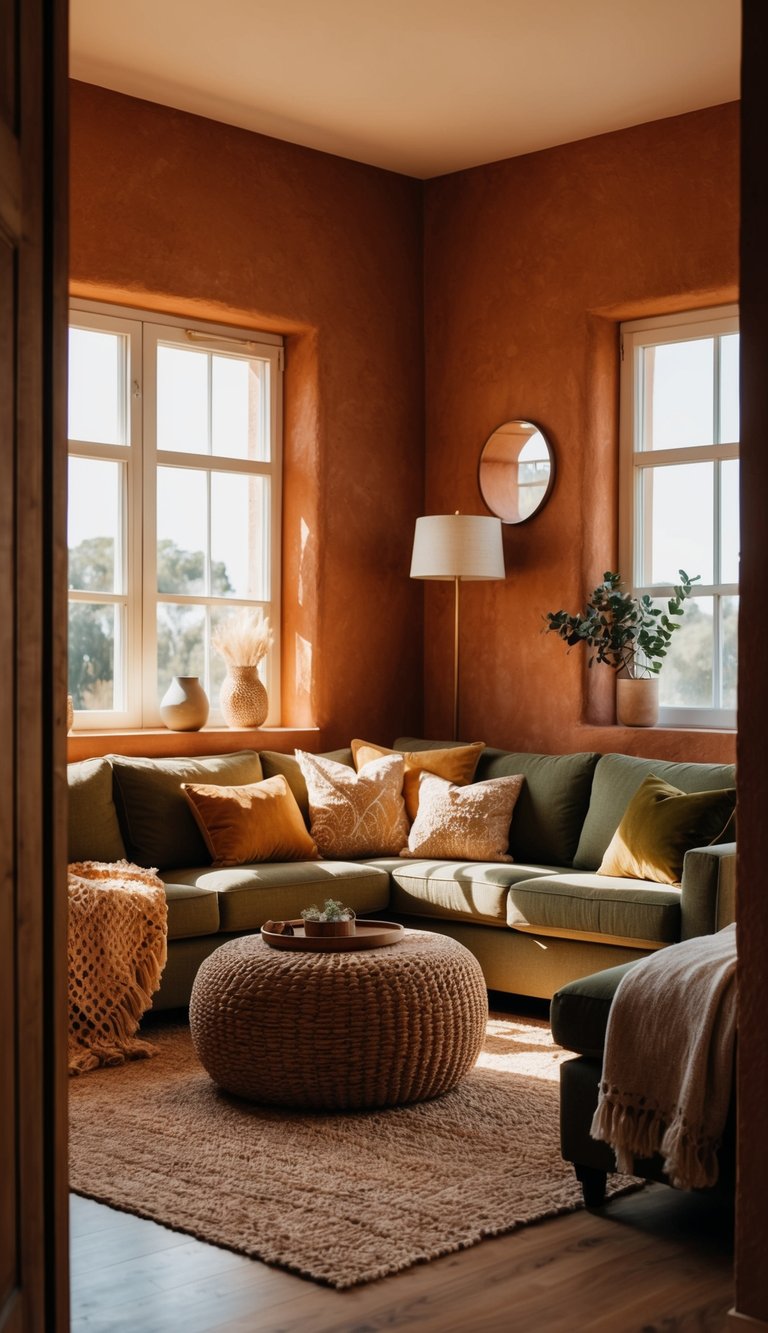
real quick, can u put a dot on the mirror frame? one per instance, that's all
(535, 428)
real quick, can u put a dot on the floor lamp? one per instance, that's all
(455, 547)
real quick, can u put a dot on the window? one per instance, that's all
(174, 506)
(680, 497)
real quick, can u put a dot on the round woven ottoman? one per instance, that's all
(339, 1031)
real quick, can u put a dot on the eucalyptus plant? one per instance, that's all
(629, 634)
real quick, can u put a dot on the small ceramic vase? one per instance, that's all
(243, 698)
(184, 705)
(70, 712)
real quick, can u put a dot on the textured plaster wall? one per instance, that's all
(530, 264)
(176, 213)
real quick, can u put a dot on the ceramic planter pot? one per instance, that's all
(637, 701)
(330, 927)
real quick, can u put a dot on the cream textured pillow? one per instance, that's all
(355, 814)
(464, 823)
(455, 763)
(256, 822)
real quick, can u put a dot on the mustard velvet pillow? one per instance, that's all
(355, 814)
(464, 823)
(257, 822)
(660, 824)
(456, 764)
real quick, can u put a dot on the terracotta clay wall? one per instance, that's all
(176, 213)
(529, 266)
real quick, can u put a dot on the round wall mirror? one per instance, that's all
(516, 471)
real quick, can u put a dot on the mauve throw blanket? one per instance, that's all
(117, 951)
(669, 1055)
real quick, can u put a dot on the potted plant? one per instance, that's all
(243, 640)
(630, 635)
(333, 918)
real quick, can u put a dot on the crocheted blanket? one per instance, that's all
(117, 951)
(668, 1060)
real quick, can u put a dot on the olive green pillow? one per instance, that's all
(155, 819)
(94, 833)
(660, 824)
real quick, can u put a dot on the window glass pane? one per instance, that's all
(181, 640)
(679, 394)
(92, 628)
(97, 386)
(729, 531)
(729, 389)
(239, 418)
(677, 522)
(730, 631)
(686, 679)
(93, 524)
(182, 530)
(240, 535)
(182, 400)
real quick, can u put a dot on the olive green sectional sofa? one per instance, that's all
(534, 925)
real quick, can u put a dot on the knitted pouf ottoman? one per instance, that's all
(339, 1031)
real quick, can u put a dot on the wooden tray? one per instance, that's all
(368, 935)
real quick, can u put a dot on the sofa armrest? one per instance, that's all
(708, 889)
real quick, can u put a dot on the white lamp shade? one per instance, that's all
(457, 546)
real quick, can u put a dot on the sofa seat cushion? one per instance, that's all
(618, 777)
(579, 1011)
(583, 905)
(458, 890)
(278, 890)
(192, 910)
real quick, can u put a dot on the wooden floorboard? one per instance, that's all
(654, 1262)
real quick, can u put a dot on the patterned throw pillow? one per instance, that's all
(256, 822)
(464, 823)
(355, 814)
(455, 763)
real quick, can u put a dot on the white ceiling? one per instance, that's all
(419, 86)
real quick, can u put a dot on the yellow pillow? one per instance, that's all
(257, 822)
(456, 764)
(356, 814)
(660, 824)
(464, 823)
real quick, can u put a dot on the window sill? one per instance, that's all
(161, 742)
(692, 744)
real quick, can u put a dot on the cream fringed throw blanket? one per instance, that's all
(117, 952)
(668, 1062)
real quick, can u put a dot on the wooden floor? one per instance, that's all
(654, 1262)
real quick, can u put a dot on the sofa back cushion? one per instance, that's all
(553, 802)
(288, 766)
(157, 823)
(94, 833)
(618, 777)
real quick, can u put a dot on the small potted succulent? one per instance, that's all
(333, 918)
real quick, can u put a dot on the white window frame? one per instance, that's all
(136, 557)
(635, 336)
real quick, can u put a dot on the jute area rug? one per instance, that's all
(339, 1198)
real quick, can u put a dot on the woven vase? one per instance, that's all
(243, 698)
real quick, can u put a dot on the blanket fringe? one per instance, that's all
(645, 1130)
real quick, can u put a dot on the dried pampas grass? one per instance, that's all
(244, 639)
